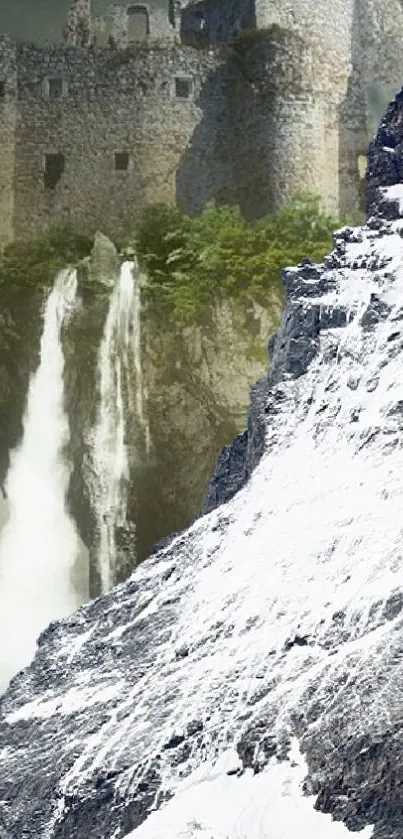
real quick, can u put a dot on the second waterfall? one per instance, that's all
(120, 396)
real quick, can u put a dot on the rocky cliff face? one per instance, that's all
(275, 618)
(196, 382)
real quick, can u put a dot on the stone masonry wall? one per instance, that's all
(127, 127)
(275, 130)
(287, 104)
(366, 36)
(209, 22)
(8, 115)
(93, 134)
(330, 21)
(111, 19)
(111, 103)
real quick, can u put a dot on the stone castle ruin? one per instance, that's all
(241, 101)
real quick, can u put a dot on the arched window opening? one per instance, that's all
(138, 23)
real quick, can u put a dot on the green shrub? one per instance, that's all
(192, 262)
(32, 263)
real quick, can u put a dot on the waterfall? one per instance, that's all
(39, 544)
(120, 396)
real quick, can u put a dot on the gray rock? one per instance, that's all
(103, 262)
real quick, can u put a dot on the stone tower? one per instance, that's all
(362, 40)
(78, 31)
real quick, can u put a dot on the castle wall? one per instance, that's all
(376, 74)
(104, 132)
(329, 20)
(286, 104)
(112, 19)
(8, 116)
(364, 37)
(268, 129)
(111, 103)
(91, 135)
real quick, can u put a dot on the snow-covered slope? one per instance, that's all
(220, 802)
(258, 658)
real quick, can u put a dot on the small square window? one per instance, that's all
(183, 87)
(56, 88)
(121, 161)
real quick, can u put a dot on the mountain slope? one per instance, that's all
(273, 628)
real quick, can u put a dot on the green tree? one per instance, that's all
(192, 262)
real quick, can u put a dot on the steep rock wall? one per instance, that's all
(196, 382)
(104, 103)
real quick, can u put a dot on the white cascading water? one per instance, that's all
(120, 394)
(39, 544)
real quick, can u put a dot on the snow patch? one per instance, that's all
(394, 193)
(213, 804)
(66, 703)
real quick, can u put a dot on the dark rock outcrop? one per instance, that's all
(385, 160)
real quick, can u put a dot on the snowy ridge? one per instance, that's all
(277, 616)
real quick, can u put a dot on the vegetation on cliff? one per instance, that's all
(192, 262)
(32, 263)
(197, 378)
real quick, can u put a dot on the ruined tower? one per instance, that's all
(79, 31)
(360, 38)
(123, 22)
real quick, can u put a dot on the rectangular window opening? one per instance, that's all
(56, 88)
(2, 89)
(54, 168)
(183, 87)
(122, 161)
